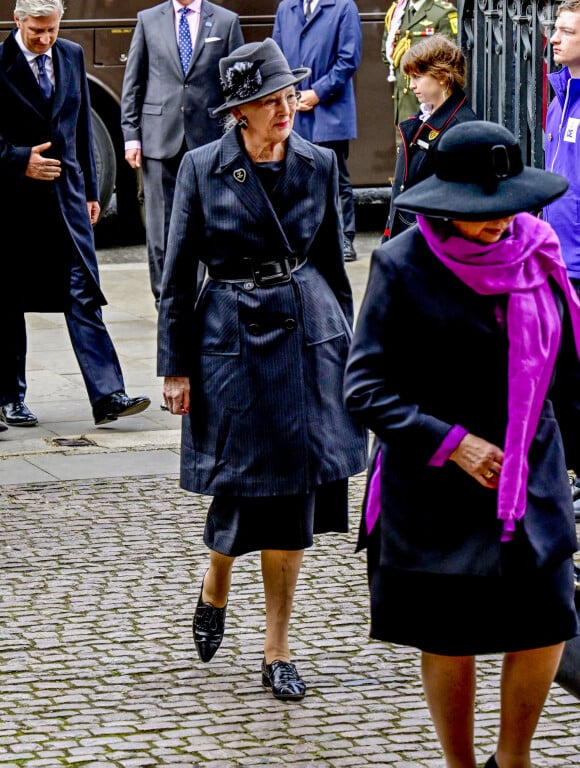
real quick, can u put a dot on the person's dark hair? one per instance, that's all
(569, 5)
(439, 57)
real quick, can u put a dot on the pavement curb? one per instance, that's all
(99, 442)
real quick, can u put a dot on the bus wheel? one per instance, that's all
(104, 160)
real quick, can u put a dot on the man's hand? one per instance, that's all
(176, 394)
(480, 459)
(308, 100)
(133, 157)
(94, 210)
(42, 168)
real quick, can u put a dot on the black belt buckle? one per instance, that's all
(269, 273)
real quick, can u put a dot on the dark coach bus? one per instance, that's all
(104, 29)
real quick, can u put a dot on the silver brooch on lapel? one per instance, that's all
(240, 175)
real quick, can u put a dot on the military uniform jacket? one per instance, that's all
(433, 16)
(266, 364)
(429, 353)
(56, 210)
(419, 140)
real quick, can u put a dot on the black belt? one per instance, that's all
(262, 274)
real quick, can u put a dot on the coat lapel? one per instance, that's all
(205, 25)
(167, 34)
(20, 78)
(238, 173)
(63, 69)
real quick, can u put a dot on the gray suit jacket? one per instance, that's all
(159, 106)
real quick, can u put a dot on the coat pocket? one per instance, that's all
(218, 312)
(322, 314)
(152, 109)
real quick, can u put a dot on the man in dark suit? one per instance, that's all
(48, 200)
(170, 88)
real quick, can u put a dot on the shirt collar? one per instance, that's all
(195, 6)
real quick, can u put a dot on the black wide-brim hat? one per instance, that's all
(479, 176)
(255, 70)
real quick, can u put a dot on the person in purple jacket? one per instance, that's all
(563, 135)
(325, 35)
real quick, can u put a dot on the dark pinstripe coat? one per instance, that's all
(266, 364)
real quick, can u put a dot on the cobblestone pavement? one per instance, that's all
(98, 581)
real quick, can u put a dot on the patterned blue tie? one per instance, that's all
(185, 47)
(43, 78)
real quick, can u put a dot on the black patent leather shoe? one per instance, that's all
(283, 678)
(208, 628)
(491, 763)
(18, 415)
(118, 404)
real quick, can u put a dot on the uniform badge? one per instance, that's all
(453, 23)
(433, 135)
(240, 175)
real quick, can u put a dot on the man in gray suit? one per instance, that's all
(170, 88)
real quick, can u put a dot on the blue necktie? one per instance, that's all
(43, 78)
(185, 47)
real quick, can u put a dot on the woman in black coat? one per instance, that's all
(436, 71)
(255, 356)
(464, 364)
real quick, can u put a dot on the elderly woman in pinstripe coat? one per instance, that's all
(254, 358)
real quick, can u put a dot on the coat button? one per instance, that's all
(254, 328)
(289, 323)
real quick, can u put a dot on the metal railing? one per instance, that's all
(509, 57)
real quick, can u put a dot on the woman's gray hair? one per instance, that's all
(37, 8)
(228, 122)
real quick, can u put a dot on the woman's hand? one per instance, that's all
(176, 394)
(480, 459)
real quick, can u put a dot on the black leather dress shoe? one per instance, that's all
(208, 628)
(118, 404)
(349, 251)
(18, 415)
(283, 678)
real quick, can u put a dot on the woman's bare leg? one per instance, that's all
(217, 580)
(280, 570)
(449, 685)
(525, 683)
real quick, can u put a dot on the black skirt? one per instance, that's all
(237, 525)
(457, 615)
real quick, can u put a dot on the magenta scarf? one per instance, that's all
(517, 265)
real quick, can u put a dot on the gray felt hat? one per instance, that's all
(253, 71)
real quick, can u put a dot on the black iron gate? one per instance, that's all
(509, 54)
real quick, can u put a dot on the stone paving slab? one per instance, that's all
(98, 580)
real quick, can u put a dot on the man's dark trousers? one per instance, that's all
(90, 340)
